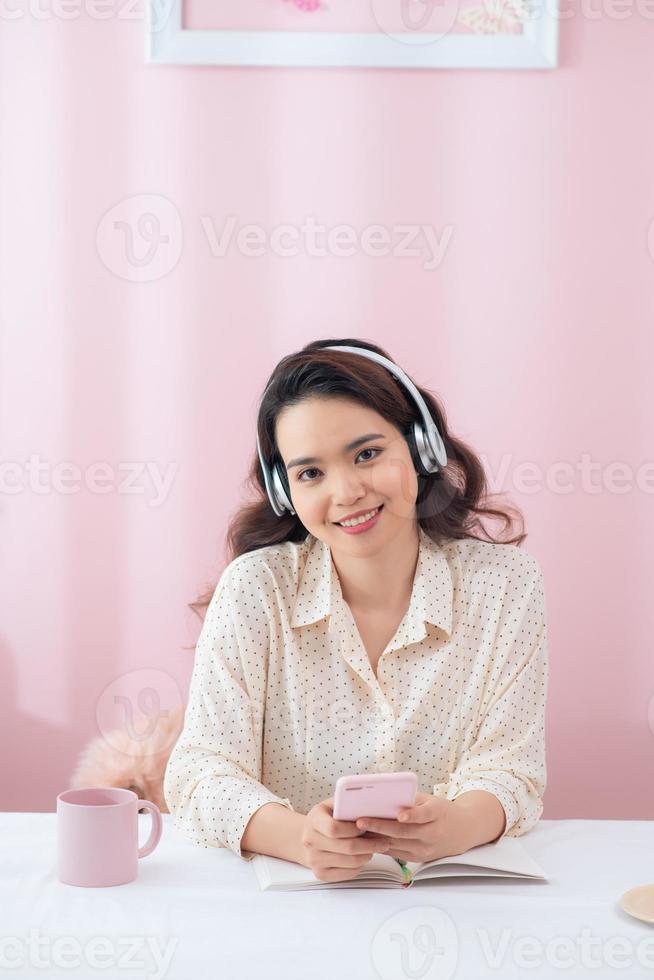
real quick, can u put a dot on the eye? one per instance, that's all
(313, 469)
(369, 451)
(300, 475)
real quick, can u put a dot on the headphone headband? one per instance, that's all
(425, 441)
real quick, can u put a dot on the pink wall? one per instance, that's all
(535, 329)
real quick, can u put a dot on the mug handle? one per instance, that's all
(157, 827)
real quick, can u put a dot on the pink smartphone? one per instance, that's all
(380, 794)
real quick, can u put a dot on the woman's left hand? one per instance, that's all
(433, 828)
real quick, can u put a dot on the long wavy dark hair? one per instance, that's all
(450, 503)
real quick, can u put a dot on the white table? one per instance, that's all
(202, 908)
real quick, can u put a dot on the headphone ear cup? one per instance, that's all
(410, 436)
(282, 490)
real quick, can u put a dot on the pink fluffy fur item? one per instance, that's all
(137, 763)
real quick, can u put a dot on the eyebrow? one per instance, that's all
(303, 460)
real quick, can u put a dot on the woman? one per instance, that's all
(396, 640)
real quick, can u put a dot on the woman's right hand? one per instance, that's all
(336, 850)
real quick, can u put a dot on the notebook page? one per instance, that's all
(280, 875)
(508, 855)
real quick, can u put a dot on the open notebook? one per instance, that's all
(506, 858)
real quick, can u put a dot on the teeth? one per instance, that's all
(359, 520)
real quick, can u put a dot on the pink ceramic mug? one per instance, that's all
(98, 835)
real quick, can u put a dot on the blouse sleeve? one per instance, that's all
(506, 756)
(212, 780)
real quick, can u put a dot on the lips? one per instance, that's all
(363, 512)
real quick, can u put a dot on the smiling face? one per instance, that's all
(335, 479)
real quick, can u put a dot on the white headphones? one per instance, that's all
(424, 439)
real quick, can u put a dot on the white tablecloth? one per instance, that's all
(197, 912)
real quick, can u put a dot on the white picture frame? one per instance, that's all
(168, 43)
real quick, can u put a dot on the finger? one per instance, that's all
(391, 828)
(336, 829)
(360, 845)
(403, 855)
(426, 808)
(416, 814)
(328, 825)
(406, 845)
(331, 860)
(339, 828)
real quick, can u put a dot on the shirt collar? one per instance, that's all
(431, 596)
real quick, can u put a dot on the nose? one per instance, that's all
(347, 488)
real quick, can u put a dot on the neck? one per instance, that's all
(382, 582)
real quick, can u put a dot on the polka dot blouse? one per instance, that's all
(283, 698)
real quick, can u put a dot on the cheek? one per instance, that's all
(397, 481)
(309, 507)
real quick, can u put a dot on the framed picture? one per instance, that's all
(354, 33)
